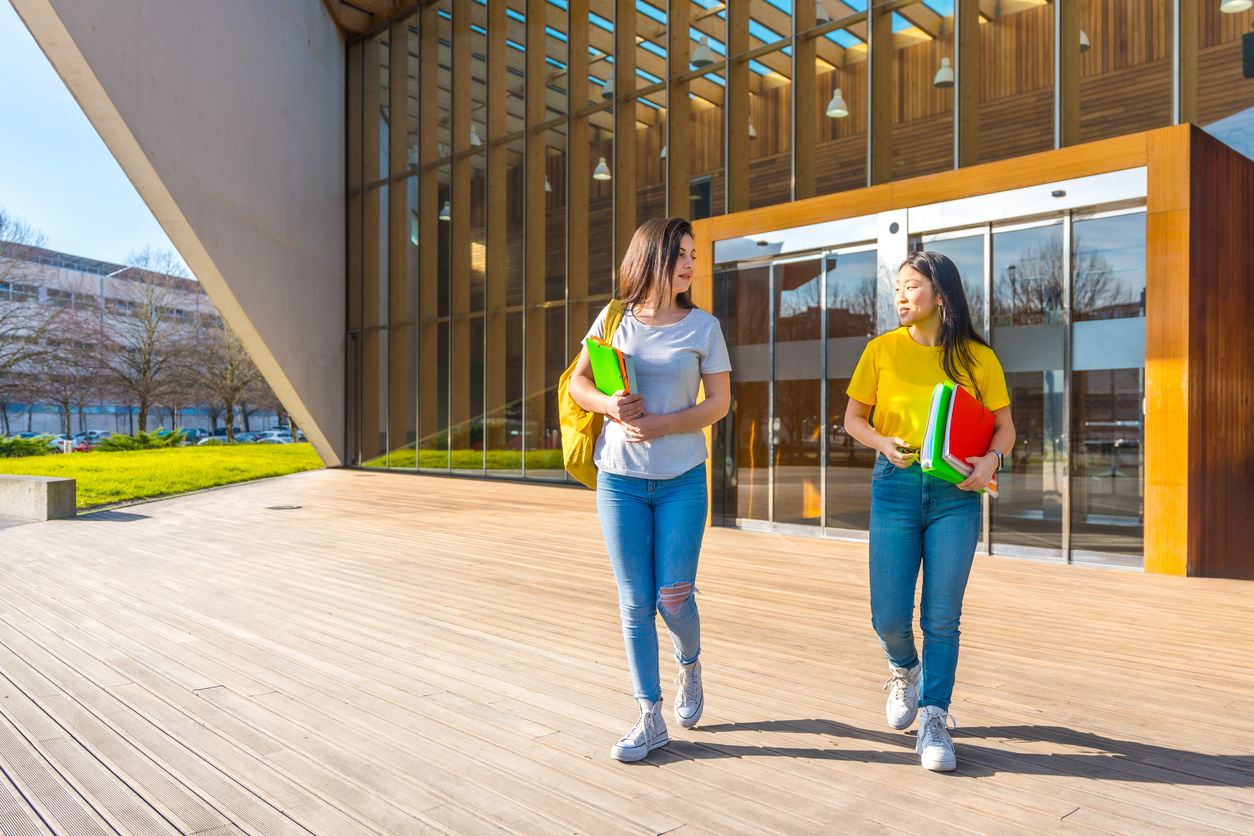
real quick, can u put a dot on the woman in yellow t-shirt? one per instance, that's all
(919, 520)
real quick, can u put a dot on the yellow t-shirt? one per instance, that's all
(896, 375)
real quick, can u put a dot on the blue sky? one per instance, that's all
(55, 171)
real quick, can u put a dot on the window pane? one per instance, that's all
(750, 346)
(798, 424)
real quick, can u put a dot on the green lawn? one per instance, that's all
(105, 478)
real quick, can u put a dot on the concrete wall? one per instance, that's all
(228, 116)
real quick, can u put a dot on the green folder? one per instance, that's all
(612, 371)
(930, 458)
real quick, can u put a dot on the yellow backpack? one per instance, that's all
(580, 428)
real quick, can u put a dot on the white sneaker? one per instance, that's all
(903, 696)
(934, 745)
(690, 701)
(647, 734)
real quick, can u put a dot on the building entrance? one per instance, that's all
(1057, 290)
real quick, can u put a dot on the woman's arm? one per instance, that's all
(717, 401)
(585, 392)
(986, 465)
(858, 425)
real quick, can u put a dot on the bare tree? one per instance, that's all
(144, 334)
(226, 371)
(64, 377)
(24, 322)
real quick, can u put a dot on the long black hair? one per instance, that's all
(957, 331)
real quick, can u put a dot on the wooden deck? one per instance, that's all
(407, 654)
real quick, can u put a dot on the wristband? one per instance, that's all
(1001, 460)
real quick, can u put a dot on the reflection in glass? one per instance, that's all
(770, 140)
(750, 345)
(967, 254)
(502, 433)
(600, 205)
(1028, 314)
(798, 423)
(850, 326)
(707, 192)
(1108, 297)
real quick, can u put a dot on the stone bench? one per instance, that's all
(37, 497)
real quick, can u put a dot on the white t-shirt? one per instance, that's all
(669, 360)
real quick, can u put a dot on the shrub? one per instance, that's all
(141, 441)
(15, 446)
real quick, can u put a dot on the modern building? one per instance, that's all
(412, 211)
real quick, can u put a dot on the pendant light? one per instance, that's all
(703, 56)
(602, 171)
(821, 16)
(944, 76)
(475, 142)
(1232, 7)
(548, 188)
(663, 154)
(753, 134)
(836, 108)
(607, 89)
(444, 213)
(1084, 41)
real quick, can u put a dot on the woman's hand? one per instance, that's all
(895, 457)
(645, 428)
(985, 467)
(623, 407)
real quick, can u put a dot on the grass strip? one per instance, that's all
(106, 478)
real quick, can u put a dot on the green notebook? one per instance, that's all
(930, 458)
(612, 371)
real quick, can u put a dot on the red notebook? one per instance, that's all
(968, 432)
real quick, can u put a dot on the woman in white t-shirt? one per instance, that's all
(651, 485)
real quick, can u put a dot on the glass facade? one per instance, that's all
(501, 155)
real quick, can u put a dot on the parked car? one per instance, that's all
(220, 432)
(59, 442)
(275, 439)
(192, 437)
(92, 434)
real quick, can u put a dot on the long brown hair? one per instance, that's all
(649, 264)
(957, 331)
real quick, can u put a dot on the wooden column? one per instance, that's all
(578, 175)
(1184, 62)
(678, 111)
(879, 99)
(459, 222)
(353, 94)
(372, 115)
(736, 108)
(1066, 72)
(534, 222)
(428, 223)
(495, 247)
(804, 115)
(624, 127)
(966, 83)
(398, 237)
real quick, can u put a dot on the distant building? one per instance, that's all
(86, 285)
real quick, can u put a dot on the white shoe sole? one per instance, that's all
(637, 753)
(944, 765)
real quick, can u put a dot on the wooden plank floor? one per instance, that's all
(408, 654)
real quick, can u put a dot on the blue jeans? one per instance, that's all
(653, 530)
(920, 520)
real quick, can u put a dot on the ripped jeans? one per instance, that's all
(653, 530)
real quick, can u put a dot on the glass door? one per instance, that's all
(747, 480)
(1108, 388)
(850, 324)
(797, 391)
(1029, 313)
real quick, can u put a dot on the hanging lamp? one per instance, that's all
(602, 171)
(548, 188)
(821, 16)
(703, 56)
(444, 213)
(1232, 7)
(836, 108)
(944, 76)
(1084, 41)
(475, 142)
(607, 89)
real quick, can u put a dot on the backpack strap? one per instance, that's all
(613, 316)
